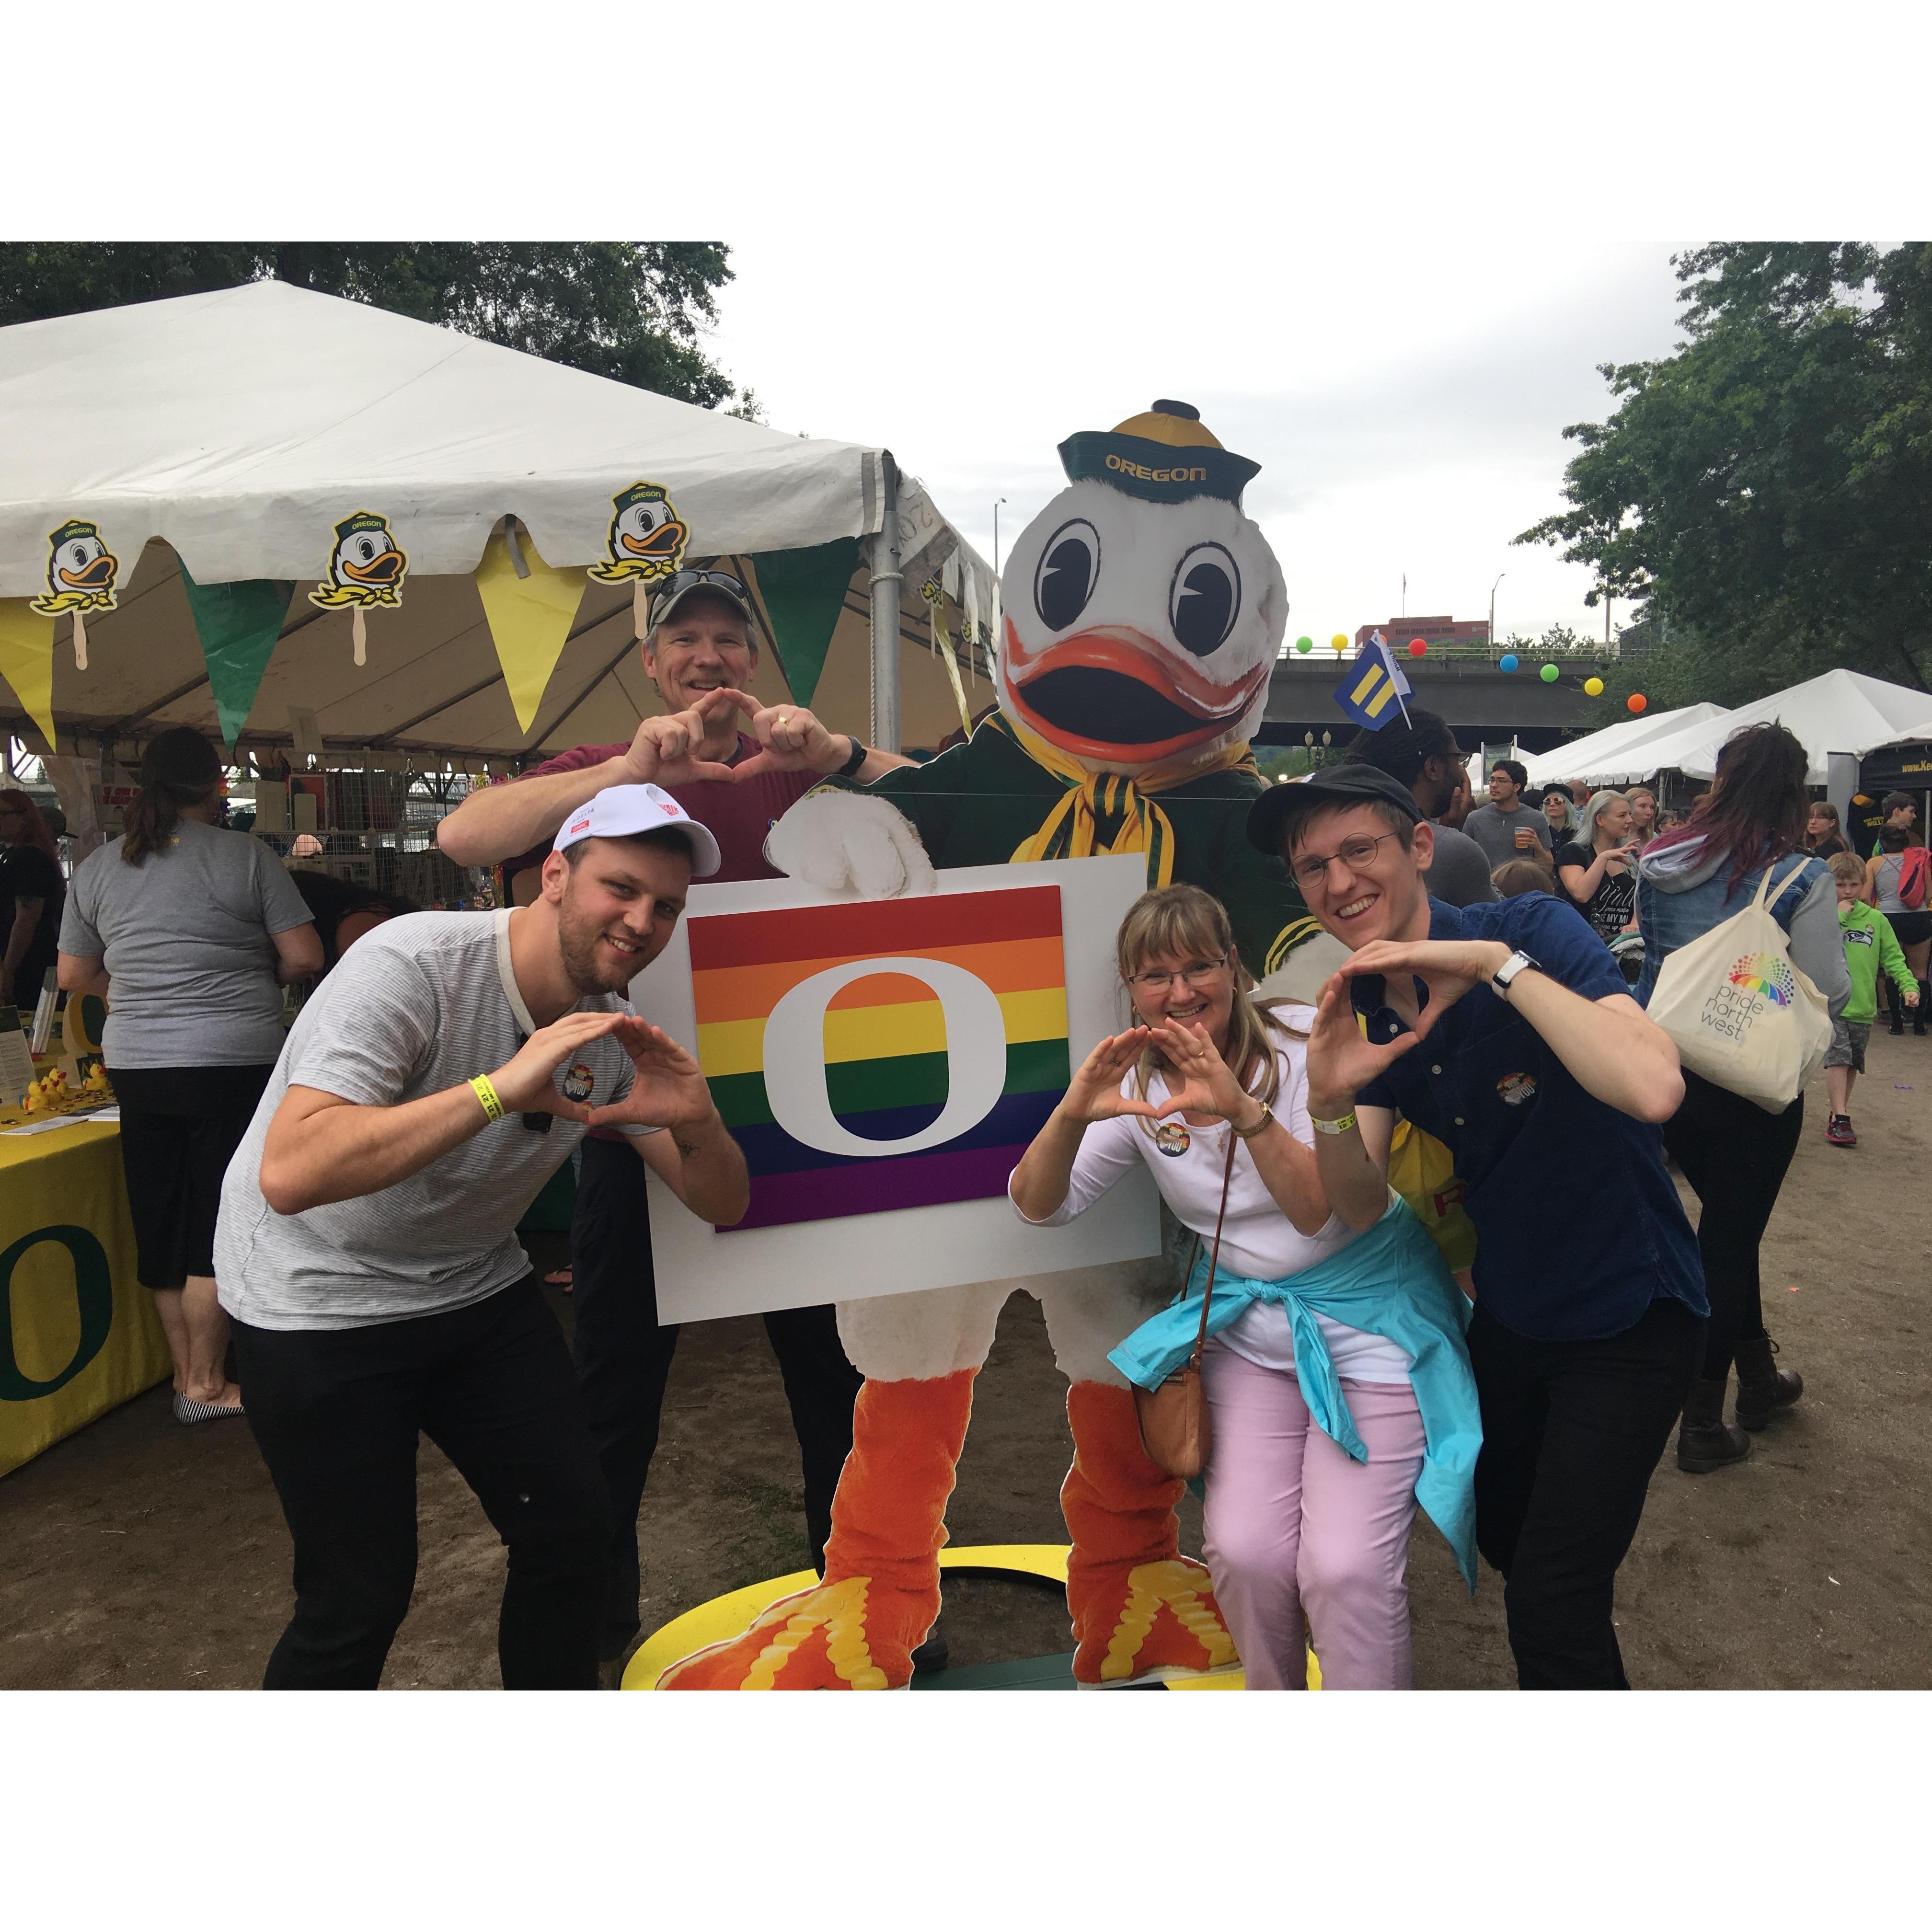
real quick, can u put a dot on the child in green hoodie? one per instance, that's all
(1870, 948)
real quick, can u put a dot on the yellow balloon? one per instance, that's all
(1593, 687)
(1339, 640)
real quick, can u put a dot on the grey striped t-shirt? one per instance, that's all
(421, 1003)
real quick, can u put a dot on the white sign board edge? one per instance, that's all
(704, 1275)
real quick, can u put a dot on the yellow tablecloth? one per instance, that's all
(78, 1334)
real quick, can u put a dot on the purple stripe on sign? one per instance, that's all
(872, 1187)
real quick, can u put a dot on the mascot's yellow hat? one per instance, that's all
(1166, 454)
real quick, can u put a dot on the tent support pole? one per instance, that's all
(885, 589)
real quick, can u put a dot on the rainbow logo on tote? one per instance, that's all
(948, 1057)
(1765, 972)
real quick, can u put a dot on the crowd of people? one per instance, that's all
(333, 1209)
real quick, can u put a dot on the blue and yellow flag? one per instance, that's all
(1372, 691)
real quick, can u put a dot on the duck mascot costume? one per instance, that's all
(1143, 613)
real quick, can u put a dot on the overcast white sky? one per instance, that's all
(1406, 405)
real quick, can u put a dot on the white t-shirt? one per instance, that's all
(1257, 1239)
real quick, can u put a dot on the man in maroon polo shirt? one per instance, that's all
(701, 651)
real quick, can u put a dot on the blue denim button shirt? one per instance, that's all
(1579, 1227)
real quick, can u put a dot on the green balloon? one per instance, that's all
(1304, 643)
(1548, 673)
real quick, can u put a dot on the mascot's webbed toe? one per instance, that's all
(841, 841)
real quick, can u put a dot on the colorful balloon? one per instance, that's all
(1636, 701)
(1593, 687)
(1549, 674)
(1340, 642)
(1304, 645)
(1507, 661)
(1418, 647)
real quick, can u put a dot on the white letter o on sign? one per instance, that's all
(794, 1057)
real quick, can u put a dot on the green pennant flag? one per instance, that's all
(804, 591)
(238, 624)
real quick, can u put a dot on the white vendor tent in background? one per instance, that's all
(1618, 755)
(229, 435)
(1844, 712)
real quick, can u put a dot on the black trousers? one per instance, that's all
(336, 1413)
(1736, 1156)
(1571, 1433)
(623, 1357)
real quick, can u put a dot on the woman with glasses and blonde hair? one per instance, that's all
(1339, 1391)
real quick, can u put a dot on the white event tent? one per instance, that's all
(1617, 755)
(230, 434)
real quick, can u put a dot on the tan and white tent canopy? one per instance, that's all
(231, 433)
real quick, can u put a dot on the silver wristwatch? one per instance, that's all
(1517, 962)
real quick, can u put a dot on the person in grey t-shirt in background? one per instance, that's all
(189, 931)
(367, 1251)
(1506, 828)
(1423, 754)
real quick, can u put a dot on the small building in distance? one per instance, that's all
(1432, 631)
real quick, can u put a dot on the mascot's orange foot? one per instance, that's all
(1169, 1625)
(816, 1640)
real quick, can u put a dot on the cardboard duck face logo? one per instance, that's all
(646, 538)
(81, 570)
(1143, 611)
(367, 568)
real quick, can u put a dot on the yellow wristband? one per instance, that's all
(493, 1107)
(1340, 1126)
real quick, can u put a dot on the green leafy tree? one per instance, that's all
(1763, 496)
(635, 311)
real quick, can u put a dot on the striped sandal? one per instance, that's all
(188, 1412)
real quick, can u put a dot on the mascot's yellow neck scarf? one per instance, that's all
(1105, 813)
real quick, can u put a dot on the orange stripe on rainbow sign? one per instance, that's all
(894, 1068)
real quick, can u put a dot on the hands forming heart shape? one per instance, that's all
(666, 750)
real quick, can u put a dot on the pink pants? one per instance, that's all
(1300, 1535)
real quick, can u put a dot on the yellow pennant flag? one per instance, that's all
(530, 616)
(27, 660)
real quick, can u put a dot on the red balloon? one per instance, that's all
(1417, 647)
(1636, 701)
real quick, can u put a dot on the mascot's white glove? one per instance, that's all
(837, 840)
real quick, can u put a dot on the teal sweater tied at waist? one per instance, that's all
(1390, 1282)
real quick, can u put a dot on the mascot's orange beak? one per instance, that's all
(1114, 693)
(662, 541)
(383, 569)
(99, 572)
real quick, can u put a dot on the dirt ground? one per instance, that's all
(138, 1554)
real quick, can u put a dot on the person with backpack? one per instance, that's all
(1896, 878)
(1732, 1151)
(1871, 950)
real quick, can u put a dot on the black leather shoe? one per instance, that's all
(1763, 1386)
(1705, 1442)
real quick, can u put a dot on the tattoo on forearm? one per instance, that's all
(688, 1148)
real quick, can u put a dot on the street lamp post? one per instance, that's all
(1500, 575)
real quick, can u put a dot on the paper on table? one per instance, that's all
(110, 1116)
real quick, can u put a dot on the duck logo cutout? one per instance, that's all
(81, 571)
(367, 568)
(646, 539)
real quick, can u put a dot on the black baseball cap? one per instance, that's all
(1271, 815)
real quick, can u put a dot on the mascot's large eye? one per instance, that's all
(1068, 566)
(1205, 599)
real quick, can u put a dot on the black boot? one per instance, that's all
(1918, 1011)
(1763, 1386)
(1895, 1006)
(1704, 1443)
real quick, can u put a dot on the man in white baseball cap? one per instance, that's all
(367, 1250)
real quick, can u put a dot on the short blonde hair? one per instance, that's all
(1847, 870)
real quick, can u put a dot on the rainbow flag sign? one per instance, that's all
(892, 1054)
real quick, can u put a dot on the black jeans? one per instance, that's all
(623, 1357)
(1735, 1155)
(336, 1413)
(1571, 1433)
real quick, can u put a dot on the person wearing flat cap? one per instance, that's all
(1506, 1030)
(701, 653)
(366, 1251)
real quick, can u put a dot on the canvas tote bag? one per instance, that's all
(1740, 1012)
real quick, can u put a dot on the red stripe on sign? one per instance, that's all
(878, 925)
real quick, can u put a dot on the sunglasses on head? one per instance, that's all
(691, 580)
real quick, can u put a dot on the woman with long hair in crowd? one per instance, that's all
(1824, 836)
(1338, 1387)
(188, 931)
(1598, 869)
(1897, 882)
(1644, 827)
(32, 895)
(1732, 1152)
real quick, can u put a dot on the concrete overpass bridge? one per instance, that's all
(1485, 705)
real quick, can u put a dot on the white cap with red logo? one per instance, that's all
(618, 812)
